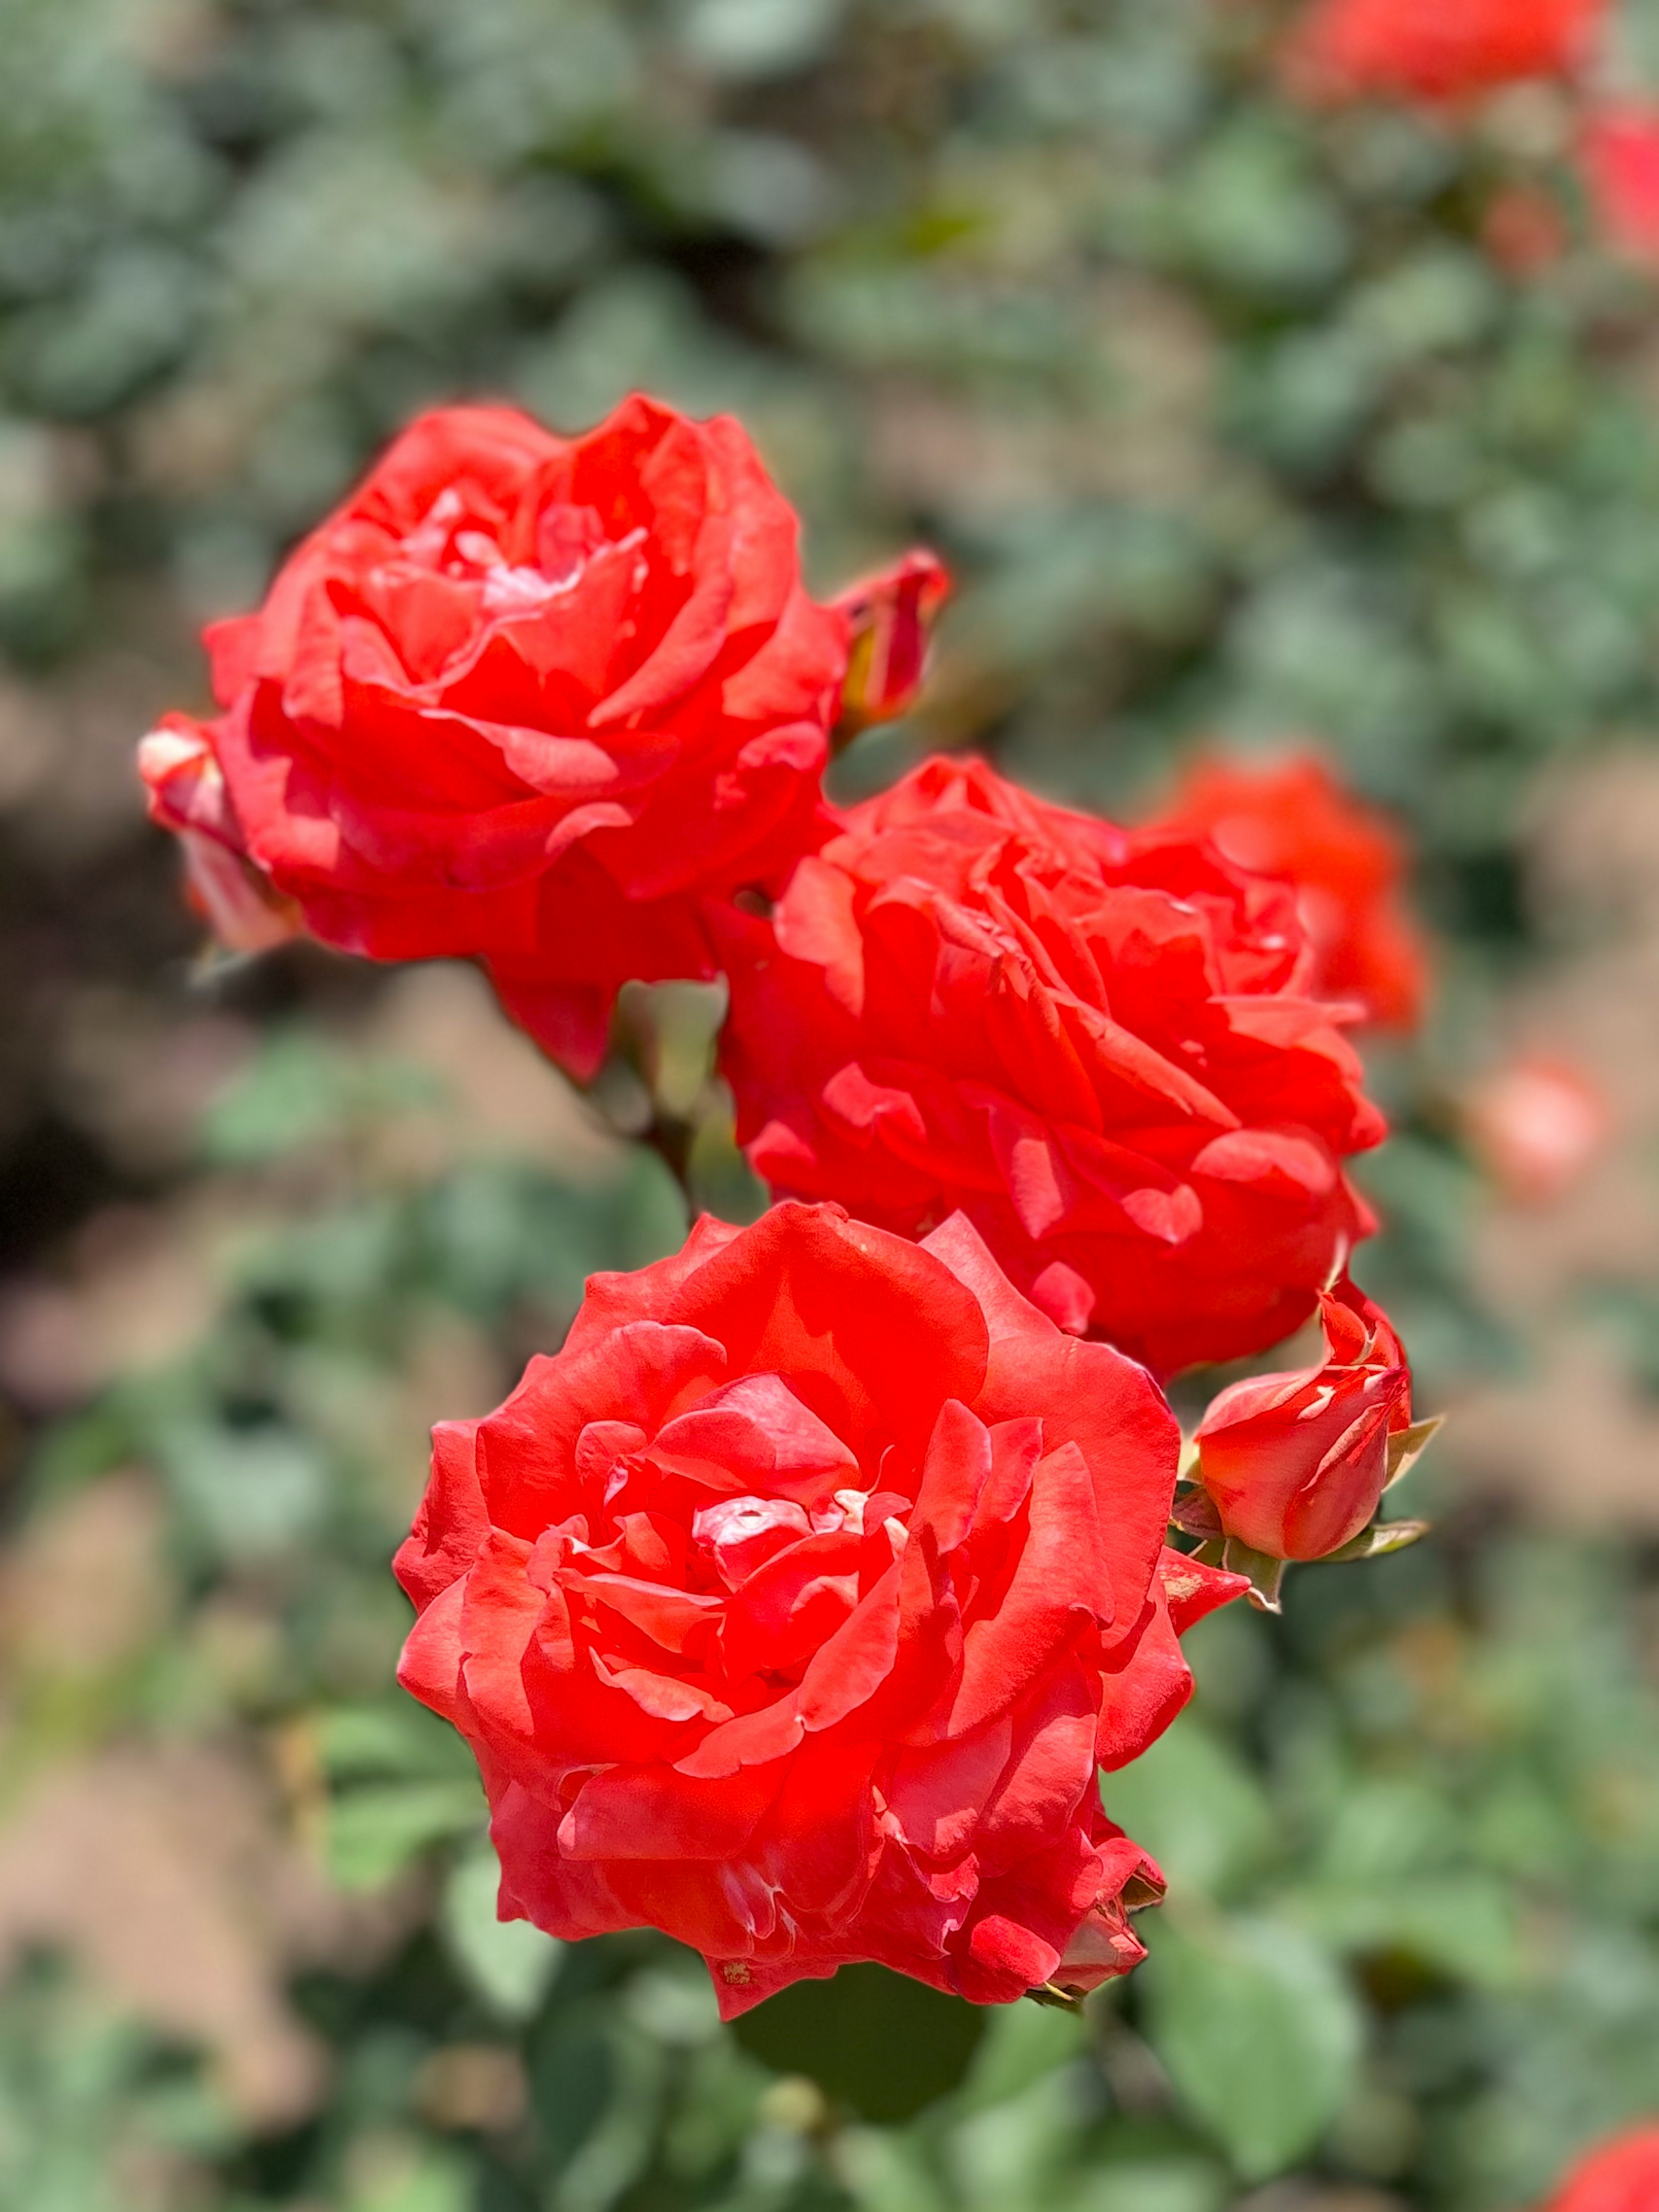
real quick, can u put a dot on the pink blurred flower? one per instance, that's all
(1535, 1125)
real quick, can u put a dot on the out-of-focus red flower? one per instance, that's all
(1535, 1125)
(890, 617)
(1622, 2176)
(791, 1607)
(1101, 1045)
(1347, 862)
(1295, 1464)
(522, 698)
(1523, 231)
(1436, 51)
(1619, 158)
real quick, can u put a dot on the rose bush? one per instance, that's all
(1620, 2176)
(1438, 50)
(791, 1606)
(1292, 819)
(1099, 1045)
(522, 698)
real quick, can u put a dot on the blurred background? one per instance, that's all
(1244, 421)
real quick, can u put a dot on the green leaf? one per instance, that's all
(408, 2178)
(1463, 1926)
(1258, 2031)
(873, 2041)
(510, 1963)
(302, 1091)
(1022, 2044)
(373, 1834)
(758, 38)
(1014, 2153)
(1165, 2184)
(395, 1741)
(251, 1494)
(1195, 1806)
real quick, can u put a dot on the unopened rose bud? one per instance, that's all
(240, 906)
(892, 615)
(1295, 1465)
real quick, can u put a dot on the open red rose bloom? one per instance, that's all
(791, 1606)
(522, 698)
(1438, 50)
(1100, 1045)
(1293, 819)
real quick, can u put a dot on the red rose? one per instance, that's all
(1438, 50)
(1295, 1465)
(1622, 2176)
(1096, 1045)
(522, 698)
(1618, 155)
(789, 1609)
(1346, 861)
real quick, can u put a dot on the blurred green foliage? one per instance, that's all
(1225, 412)
(1231, 423)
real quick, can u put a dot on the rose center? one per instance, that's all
(467, 547)
(741, 1534)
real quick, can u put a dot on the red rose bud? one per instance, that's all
(523, 699)
(890, 617)
(792, 1607)
(1101, 1045)
(1295, 1465)
(239, 904)
(1622, 2176)
(1347, 862)
(1436, 51)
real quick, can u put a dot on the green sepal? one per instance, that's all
(1265, 1574)
(1408, 1446)
(1382, 1538)
(1056, 1999)
(1194, 1513)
